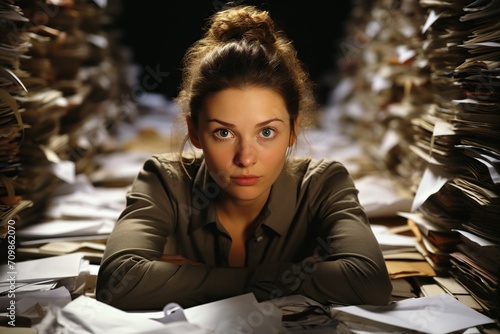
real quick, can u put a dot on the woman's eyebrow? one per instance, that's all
(229, 125)
(215, 120)
(269, 121)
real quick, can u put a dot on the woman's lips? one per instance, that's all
(245, 180)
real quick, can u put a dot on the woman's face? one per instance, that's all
(244, 134)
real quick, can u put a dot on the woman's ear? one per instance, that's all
(293, 135)
(193, 136)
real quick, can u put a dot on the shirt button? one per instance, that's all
(259, 238)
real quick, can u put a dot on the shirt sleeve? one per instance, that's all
(130, 276)
(350, 268)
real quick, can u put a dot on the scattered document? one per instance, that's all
(379, 196)
(435, 314)
(51, 268)
(90, 316)
(240, 314)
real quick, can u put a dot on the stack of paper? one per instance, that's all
(70, 271)
(41, 107)
(462, 147)
(385, 85)
(434, 241)
(382, 99)
(12, 127)
(42, 148)
(62, 101)
(37, 284)
(421, 92)
(46, 153)
(79, 218)
(433, 314)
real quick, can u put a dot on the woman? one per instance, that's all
(243, 216)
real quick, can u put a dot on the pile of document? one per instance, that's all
(384, 85)
(421, 90)
(79, 218)
(41, 283)
(59, 87)
(12, 127)
(291, 314)
(463, 151)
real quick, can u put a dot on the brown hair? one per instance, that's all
(242, 47)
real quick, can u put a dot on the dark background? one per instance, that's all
(159, 34)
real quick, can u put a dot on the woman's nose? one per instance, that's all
(246, 156)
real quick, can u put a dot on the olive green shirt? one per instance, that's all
(313, 209)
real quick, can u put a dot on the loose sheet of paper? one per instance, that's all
(433, 314)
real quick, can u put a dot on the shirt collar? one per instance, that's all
(203, 190)
(278, 212)
(280, 208)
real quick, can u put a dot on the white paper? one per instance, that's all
(434, 314)
(431, 18)
(475, 238)
(240, 314)
(66, 227)
(431, 182)
(54, 267)
(379, 197)
(385, 237)
(28, 299)
(85, 315)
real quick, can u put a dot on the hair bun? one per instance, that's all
(242, 23)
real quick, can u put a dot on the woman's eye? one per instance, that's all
(223, 133)
(268, 133)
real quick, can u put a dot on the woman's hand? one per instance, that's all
(177, 259)
(313, 259)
